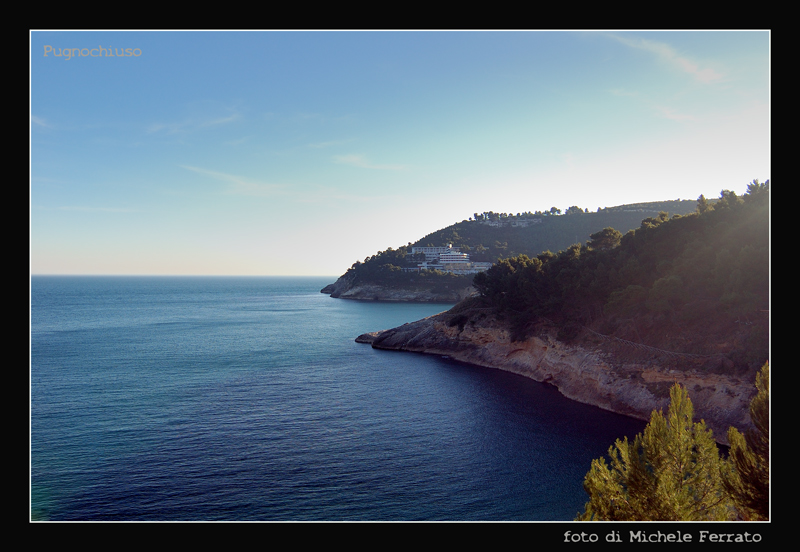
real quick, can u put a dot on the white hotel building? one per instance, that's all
(448, 259)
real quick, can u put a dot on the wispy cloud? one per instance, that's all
(38, 121)
(238, 185)
(623, 93)
(321, 118)
(328, 195)
(237, 142)
(319, 145)
(662, 111)
(358, 160)
(169, 128)
(84, 208)
(668, 54)
(220, 120)
(672, 114)
(192, 124)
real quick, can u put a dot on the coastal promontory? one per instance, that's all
(617, 321)
(346, 287)
(440, 267)
(593, 370)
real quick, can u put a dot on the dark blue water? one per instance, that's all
(194, 398)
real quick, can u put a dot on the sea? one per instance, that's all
(247, 399)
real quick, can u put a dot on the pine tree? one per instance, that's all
(703, 205)
(670, 472)
(747, 476)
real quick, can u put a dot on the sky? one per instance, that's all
(302, 152)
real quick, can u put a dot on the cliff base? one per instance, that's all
(582, 372)
(347, 288)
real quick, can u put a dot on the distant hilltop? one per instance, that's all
(440, 266)
(522, 220)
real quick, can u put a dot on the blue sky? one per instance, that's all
(298, 153)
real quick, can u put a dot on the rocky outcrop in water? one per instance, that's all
(580, 372)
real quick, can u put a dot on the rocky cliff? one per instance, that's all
(346, 288)
(583, 372)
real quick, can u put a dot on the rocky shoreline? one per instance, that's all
(580, 372)
(345, 288)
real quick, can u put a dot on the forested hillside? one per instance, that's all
(553, 231)
(694, 284)
(492, 236)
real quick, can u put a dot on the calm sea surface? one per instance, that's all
(200, 398)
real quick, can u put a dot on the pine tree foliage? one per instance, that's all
(747, 476)
(659, 284)
(670, 472)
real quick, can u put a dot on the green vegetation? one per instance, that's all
(545, 230)
(670, 472)
(659, 284)
(490, 236)
(747, 479)
(679, 206)
(673, 472)
(386, 268)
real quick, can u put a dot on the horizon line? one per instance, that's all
(196, 275)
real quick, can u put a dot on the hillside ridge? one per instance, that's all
(392, 275)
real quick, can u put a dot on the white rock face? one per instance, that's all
(582, 374)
